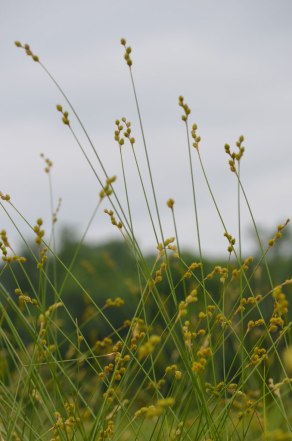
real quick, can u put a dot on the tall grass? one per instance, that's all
(189, 363)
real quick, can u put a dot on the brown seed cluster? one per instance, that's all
(28, 51)
(167, 244)
(107, 189)
(188, 274)
(278, 234)
(119, 224)
(253, 300)
(65, 115)
(4, 245)
(24, 298)
(190, 334)
(56, 212)
(222, 271)
(148, 347)
(195, 136)
(65, 425)
(156, 409)
(244, 267)
(48, 163)
(235, 157)
(257, 356)
(280, 310)
(185, 108)
(203, 354)
(231, 241)
(118, 301)
(170, 203)
(107, 432)
(39, 231)
(4, 197)
(123, 131)
(127, 54)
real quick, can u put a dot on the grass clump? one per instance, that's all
(186, 349)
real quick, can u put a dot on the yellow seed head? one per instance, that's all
(170, 203)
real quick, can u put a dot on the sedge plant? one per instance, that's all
(202, 355)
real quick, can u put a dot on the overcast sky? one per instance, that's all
(230, 59)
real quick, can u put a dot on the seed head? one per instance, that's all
(28, 51)
(127, 53)
(4, 197)
(185, 107)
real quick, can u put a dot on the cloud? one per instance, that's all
(229, 61)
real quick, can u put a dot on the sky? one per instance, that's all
(231, 60)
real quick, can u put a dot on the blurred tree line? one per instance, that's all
(110, 271)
